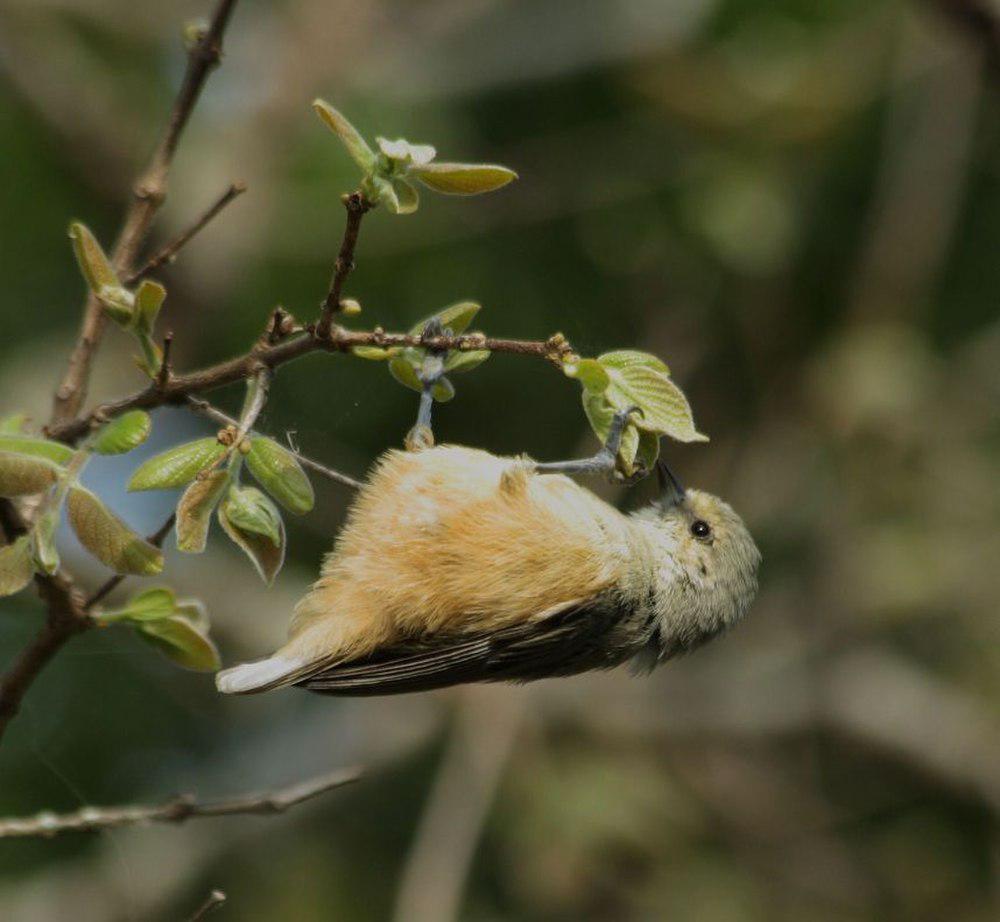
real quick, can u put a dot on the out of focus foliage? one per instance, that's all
(798, 204)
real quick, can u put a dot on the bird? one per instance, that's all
(456, 565)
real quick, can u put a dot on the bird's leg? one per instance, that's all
(432, 370)
(601, 463)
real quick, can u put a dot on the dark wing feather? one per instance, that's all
(565, 642)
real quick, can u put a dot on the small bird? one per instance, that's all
(456, 566)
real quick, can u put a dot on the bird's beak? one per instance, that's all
(671, 491)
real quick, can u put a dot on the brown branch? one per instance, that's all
(214, 900)
(175, 810)
(979, 20)
(357, 207)
(169, 252)
(204, 408)
(340, 340)
(148, 195)
(112, 583)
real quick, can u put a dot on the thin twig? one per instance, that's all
(175, 810)
(204, 408)
(148, 195)
(339, 340)
(112, 583)
(357, 207)
(169, 252)
(215, 899)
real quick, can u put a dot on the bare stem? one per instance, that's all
(148, 194)
(357, 206)
(214, 900)
(175, 810)
(169, 252)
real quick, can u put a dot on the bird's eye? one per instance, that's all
(701, 529)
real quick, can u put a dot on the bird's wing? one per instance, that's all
(561, 643)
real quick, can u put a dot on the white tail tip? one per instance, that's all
(260, 676)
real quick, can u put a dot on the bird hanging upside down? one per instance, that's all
(459, 566)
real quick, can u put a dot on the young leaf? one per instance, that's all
(15, 424)
(356, 145)
(279, 472)
(43, 542)
(245, 519)
(463, 178)
(94, 264)
(150, 605)
(405, 153)
(459, 361)
(665, 408)
(407, 198)
(24, 475)
(148, 300)
(590, 373)
(41, 448)
(648, 450)
(194, 511)
(123, 434)
(403, 370)
(16, 566)
(108, 538)
(630, 358)
(600, 414)
(375, 353)
(455, 317)
(177, 466)
(183, 641)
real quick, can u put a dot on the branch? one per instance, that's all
(176, 810)
(215, 899)
(204, 408)
(357, 207)
(979, 20)
(148, 195)
(169, 253)
(179, 387)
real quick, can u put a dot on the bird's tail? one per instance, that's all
(274, 672)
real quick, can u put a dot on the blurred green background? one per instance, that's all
(797, 205)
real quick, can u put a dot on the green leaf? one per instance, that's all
(648, 450)
(17, 566)
(664, 407)
(15, 424)
(25, 475)
(403, 370)
(148, 301)
(463, 178)
(455, 317)
(194, 511)
(150, 605)
(600, 415)
(631, 358)
(407, 198)
(249, 510)
(177, 466)
(43, 542)
(123, 434)
(183, 641)
(375, 353)
(385, 194)
(244, 522)
(279, 472)
(590, 373)
(41, 448)
(108, 538)
(459, 361)
(356, 145)
(94, 264)
(405, 153)
(118, 303)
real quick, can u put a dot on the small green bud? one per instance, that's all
(177, 466)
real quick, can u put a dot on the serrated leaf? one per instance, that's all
(194, 511)
(24, 475)
(279, 472)
(375, 353)
(631, 358)
(249, 510)
(182, 641)
(123, 434)
(463, 178)
(17, 566)
(94, 264)
(43, 542)
(455, 317)
(149, 298)
(40, 448)
(15, 424)
(600, 415)
(108, 538)
(176, 466)
(266, 556)
(590, 373)
(349, 136)
(664, 407)
(458, 361)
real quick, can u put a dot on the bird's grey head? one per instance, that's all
(706, 566)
